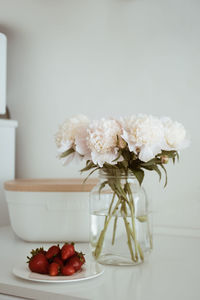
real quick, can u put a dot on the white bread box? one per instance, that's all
(49, 210)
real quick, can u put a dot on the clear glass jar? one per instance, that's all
(120, 225)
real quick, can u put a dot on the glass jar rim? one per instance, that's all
(122, 175)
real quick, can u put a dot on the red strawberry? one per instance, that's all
(54, 269)
(68, 270)
(52, 251)
(39, 264)
(36, 251)
(81, 256)
(58, 260)
(76, 261)
(67, 251)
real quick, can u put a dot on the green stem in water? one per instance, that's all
(114, 230)
(128, 231)
(122, 195)
(99, 245)
(150, 237)
(138, 246)
(129, 239)
(132, 208)
(124, 200)
(110, 207)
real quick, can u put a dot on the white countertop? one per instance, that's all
(172, 272)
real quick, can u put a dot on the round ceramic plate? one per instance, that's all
(89, 270)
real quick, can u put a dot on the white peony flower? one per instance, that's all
(103, 138)
(175, 135)
(72, 134)
(144, 136)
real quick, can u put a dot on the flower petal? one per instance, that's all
(146, 154)
(66, 160)
(65, 146)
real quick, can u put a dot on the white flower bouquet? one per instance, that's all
(118, 147)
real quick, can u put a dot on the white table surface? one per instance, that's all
(172, 272)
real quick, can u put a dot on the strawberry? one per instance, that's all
(52, 251)
(77, 260)
(39, 264)
(54, 269)
(58, 260)
(81, 256)
(67, 251)
(36, 251)
(68, 270)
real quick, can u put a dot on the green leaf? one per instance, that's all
(66, 153)
(88, 166)
(142, 218)
(155, 168)
(170, 154)
(102, 186)
(109, 166)
(90, 174)
(149, 168)
(165, 174)
(151, 162)
(134, 156)
(126, 154)
(139, 174)
(124, 163)
(118, 156)
(177, 155)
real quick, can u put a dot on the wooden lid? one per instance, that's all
(50, 185)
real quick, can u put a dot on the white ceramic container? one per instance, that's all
(49, 210)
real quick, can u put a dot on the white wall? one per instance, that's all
(7, 163)
(108, 57)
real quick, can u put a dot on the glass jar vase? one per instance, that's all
(120, 221)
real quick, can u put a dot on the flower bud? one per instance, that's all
(164, 159)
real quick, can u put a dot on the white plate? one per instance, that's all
(88, 271)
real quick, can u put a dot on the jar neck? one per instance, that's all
(116, 175)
